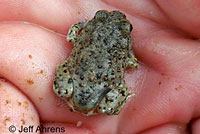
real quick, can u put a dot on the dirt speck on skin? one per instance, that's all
(41, 71)
(41, 99)
(29, 81)
(8, 102)
(32, 118)
(178, 88)
(23, 122)
(19, 103)
(30, 56)
(6, 120)
(26, 104)
(79, 13)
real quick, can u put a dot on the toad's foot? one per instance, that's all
(114, 100)
(132, 61)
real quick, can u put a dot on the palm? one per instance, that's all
(166, 83)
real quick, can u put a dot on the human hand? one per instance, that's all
(165, 41)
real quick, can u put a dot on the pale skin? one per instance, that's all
(165, 41)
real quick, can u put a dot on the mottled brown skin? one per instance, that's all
(91, 80)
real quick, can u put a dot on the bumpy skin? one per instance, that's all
(91, 80)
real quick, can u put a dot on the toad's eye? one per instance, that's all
(102, 14)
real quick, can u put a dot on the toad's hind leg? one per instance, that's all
(63, 83)
(72, 35)
(132, 60)
(114, 101)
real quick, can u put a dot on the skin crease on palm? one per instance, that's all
(165, 41)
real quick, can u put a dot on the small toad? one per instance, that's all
(91, 80)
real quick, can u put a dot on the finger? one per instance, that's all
(167, 129)
(15, 109)
(55, 15)
(34, 53)
(185, 14)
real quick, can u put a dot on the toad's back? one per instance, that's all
(102, 50)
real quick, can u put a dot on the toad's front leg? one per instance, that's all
(72, 35)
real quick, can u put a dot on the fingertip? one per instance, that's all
(15, 109)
